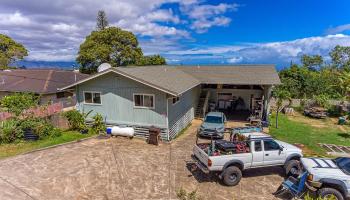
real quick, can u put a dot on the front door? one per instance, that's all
(272, 153)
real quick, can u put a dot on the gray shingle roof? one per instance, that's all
(170, 79)
(40, 81)
(176, 80)
(234, 74)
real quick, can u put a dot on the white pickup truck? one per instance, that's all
(261, 151)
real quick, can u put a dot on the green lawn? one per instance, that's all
(310, 132)
(7, 150)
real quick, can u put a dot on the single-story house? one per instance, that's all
(169, 97)
(43, 82)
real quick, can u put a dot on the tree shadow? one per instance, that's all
(344, 135)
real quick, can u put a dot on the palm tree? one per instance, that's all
(344, 80)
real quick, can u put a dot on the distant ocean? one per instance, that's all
(47, 64)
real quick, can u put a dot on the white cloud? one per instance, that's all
(14, 19)
(206, 16)
(274, 52)
(235, 60)
(338, 29)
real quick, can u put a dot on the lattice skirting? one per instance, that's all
(181, 123)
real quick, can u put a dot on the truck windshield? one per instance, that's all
(343, 164)
(213, 119)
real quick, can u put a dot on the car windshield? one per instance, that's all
(213, 119)
(343, 164)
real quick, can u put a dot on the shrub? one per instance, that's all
(40, 127)
(98, 125)
(76, 119)
(10, 131)
(183, 195)
(19, 102)
(321, 100)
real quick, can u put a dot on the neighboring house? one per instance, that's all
(169, 97)
(43, 82)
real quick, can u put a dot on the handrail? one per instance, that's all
(205, 106)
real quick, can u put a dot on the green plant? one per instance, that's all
(76, 120)
(308, 197)
(40, 127)
(98, 125)
(10, 131)
(19, 102)
(321, 100)
(184, 195)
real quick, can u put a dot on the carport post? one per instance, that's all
(267, 97)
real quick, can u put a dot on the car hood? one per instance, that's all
(288, 147)
(212, 126)
(323, 168)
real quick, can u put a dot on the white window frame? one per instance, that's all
(143, 95)
(172, 100)
(92, 92)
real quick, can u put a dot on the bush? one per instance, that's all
(183, 195)
(98, 125)
(322, 100)
(10, 131)
(76, 119)
(19, 102)
(40, 127)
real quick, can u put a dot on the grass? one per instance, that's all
(309, 132)
(7, 150)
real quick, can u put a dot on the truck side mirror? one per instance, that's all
(281, 148)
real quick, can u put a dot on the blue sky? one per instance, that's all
(185, 32)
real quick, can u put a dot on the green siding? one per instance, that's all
(117, 101)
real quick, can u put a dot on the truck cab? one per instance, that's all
(261, 151)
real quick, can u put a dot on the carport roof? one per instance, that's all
(234, 74)
(176, 80)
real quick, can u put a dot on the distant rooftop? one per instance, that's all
(40, 81)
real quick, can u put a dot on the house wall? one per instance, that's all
(182, 113)
(117, 102)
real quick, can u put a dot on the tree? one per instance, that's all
(112, 45)
(344, 84)
(10, 51)
(101, 19)
(312, 62)
(341, 57)
(151, 60)
(280, 95)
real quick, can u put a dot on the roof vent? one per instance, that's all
(103, 67)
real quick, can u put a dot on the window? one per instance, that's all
(257, 146)
(92, 97)
(270, 145)
(175, 100)
(144, 100)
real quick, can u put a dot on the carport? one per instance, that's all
(239, 91)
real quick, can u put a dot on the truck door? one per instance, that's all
(272, 153)
(258, 153)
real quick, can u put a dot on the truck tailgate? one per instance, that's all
(200, 155)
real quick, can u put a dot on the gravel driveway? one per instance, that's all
(120, 168)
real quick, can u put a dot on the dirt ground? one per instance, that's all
(120, 168)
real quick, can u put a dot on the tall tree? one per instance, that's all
(341, 57)
(102, 21)
(312, 62)
(152, 60)
(113, 45)
(10, 51)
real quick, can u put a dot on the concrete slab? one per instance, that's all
(120, 168)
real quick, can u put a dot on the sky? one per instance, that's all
(196, 32)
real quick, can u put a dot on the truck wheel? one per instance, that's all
(330, 193)
(292, 168)
(232, 175)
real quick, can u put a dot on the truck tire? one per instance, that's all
(292, 168)
(232, 176)
(330, 193)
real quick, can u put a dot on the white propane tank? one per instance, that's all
(122, 131)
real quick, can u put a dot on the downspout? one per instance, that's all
(167, 117)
